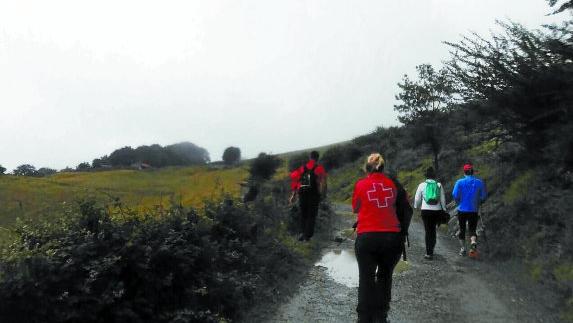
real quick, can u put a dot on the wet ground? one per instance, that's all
(449, 288)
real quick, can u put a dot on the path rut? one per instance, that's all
(449, 288)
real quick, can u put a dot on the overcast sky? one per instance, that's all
(79, 79)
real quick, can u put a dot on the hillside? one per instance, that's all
(30, 197)
(177, 244)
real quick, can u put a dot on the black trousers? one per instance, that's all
(377, 254)
(471, 218)
(430, 219)
(308, 213)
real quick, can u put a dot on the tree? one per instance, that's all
(565, 5)
(430, 95)
(83, 167)
(2, 170)
(190, 153)
(231, 155)
(100, 162)
(264, 166)
(123, 157)
(26, 170)
(521, 82)
(45, 171)
(425, 102)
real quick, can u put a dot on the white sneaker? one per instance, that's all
(462, 251)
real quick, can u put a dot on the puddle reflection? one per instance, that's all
(341, 266)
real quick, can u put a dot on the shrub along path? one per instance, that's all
(449, 288)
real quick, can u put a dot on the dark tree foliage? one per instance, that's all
(123, 157)
(561, 5)
(432, 93)
(231, 155)
(425, 103)
(157, 156)
(264, 166)
(2, 169)
(101, 162)
(190, 153)
(26, 170)
(45, 171)
(181, 154)
(83, 166)
(521, 82)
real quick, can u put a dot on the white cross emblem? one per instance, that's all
(380, 194)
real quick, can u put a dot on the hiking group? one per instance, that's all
(384, 213)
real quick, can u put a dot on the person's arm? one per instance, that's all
(442, 197)
(418, 197)
(293, 196)
(456, 193)
(356, 202)
(295, 178)
(483, 192)
(322, 186)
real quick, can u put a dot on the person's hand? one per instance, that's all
(291, 199)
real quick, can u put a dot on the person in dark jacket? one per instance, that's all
(308, 183)
(379, 242)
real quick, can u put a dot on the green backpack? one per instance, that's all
(432, 192)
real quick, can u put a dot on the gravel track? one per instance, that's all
(449, 288)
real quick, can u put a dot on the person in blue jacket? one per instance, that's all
(469, 192)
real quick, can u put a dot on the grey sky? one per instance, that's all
(79, 79)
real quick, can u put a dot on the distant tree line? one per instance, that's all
(181, 154)
(156, 156)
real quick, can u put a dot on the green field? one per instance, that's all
(29, 197)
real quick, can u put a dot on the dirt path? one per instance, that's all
(449, 288)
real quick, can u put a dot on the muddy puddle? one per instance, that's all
(342, 267)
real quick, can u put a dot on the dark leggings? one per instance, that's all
(430, 218)
(471, 218)
(377, 254)
(308, 213)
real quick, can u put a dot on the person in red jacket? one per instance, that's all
(379, 242)
(308, 182)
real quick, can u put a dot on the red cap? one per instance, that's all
(468, 167)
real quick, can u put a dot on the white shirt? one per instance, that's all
(421, 201)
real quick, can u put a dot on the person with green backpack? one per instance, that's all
(431, 199)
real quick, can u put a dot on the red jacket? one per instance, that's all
(375, 198)
(297, 173)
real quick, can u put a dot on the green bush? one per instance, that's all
(264, 166)
(182, 267)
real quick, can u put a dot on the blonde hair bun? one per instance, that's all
(374, 162)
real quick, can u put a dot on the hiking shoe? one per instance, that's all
(429, 257)
(462, 251)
